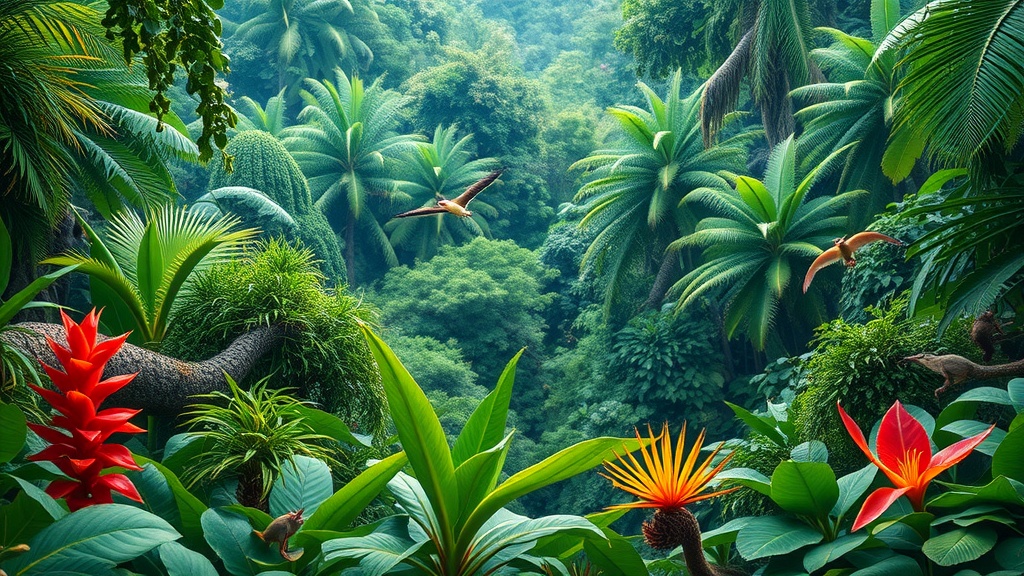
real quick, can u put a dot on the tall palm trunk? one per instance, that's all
(668, 273)
(350, 249)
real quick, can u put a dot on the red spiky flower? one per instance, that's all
(78, 434)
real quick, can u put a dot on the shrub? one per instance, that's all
(860, 366)
(325, 357)
(668, 363)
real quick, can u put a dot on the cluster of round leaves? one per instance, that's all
(667, 360)
(324, 357)
(169, 33)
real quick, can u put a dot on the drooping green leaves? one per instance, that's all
(12, 431)
(92, 541)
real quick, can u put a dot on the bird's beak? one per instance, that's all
(910, 359)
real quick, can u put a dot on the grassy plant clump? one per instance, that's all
(324, 357)
(860, 366)
(251, 435)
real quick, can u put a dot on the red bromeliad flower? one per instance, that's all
(78, 434)
(905, 456)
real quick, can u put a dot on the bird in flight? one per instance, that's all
(459, 204)
(843, 250)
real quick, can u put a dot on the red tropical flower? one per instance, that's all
(78, 434)
(905, 456)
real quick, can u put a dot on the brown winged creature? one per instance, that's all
(459, 204)
(844, 249)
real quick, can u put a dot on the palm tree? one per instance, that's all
(964, 87)
(634, 196)
(773, 54)
(854, 107)
(762, 234)
(73, 115)
(269, 119)
(308, 38)
(441, 167)
(345, 134)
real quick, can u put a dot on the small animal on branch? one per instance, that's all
(843, 250)
(280, 530)
(459, 205)
(985, 332)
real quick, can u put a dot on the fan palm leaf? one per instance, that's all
(343, 142)
(760, 233)
(633, 197)
(144, 265)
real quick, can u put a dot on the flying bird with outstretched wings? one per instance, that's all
(843, 250)
(458, 206)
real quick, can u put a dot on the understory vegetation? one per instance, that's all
(469, 287)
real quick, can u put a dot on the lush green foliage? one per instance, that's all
(486, 295)
(969, 525)
(308, 38)
(262, 163)
(455, 501)
(854, 109)
(634, 197)
(143, 266)
(15, 366)
(324, 357)
(860, 366)
(344, 134)
(772, 53)
(659, 359)
(252, 435)
(663, 35)
(761, 236)
(169, 34)
(522, 84)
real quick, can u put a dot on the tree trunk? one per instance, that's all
(350, 250)
(163, 385)
(667, 273)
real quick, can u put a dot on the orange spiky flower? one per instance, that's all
(669, 484)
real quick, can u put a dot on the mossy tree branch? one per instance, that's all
(164, 385)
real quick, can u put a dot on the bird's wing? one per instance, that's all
(864, 238)
(471, 192)
(421, 212)
(824, 259)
